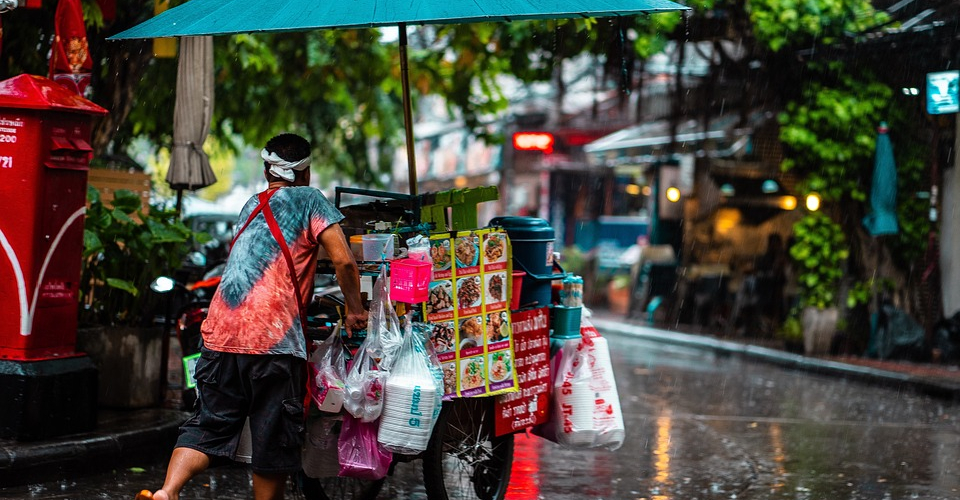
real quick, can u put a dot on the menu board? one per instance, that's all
(528, 406)
(468, 306)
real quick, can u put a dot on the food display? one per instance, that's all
(468, 305)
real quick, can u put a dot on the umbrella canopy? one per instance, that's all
(224, 17)
(882, 219)
(192, 113)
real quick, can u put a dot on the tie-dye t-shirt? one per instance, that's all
(254, 310)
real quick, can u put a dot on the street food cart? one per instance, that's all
(492, 346)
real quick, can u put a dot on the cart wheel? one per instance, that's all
(464, 460)
(337, 488)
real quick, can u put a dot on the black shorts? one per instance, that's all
(231, 387)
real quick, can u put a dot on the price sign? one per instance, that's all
(531, 344)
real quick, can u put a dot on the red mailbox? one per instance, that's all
(44, 155)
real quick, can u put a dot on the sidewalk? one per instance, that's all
(936, 380)
(128, 437)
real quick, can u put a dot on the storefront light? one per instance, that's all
(632, 189)
(673, 194)
(769, 186)
(788, 202)
(727, 190)
(646, 190)
(813, 202)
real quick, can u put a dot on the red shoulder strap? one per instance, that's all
(264, 206)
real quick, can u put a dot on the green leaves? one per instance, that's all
(783, 24)
(820, 253)
(125, 248)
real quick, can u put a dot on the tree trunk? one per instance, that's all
(127, 62)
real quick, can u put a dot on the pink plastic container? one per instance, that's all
(410, 280)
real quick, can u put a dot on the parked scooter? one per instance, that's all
(191, 302)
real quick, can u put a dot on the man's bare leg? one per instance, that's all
(269, 486)
(184, 464)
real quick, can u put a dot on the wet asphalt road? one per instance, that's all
(699, 426)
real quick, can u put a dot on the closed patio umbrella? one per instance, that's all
(192, 113)
(882, 219)
(221, 17)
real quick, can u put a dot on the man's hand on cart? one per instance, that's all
(355, 321)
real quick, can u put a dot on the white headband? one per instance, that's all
(283, 168)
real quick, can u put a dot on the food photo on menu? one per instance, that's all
(494, 247)
(498, 327)
(496, 288)
(468, 292)
(467, 250)
(443, 337)
(471, 333)
(501, 368)
(440, 297)
(449, 378)
(440, 253)
(472, 374)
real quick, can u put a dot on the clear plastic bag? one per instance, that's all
(384, 323)
(360, 455)
(363, 394)
(328, 372)
(412, 397)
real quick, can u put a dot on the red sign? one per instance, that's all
(531, 345)
(533, 141)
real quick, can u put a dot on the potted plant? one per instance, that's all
(791, 332)
(126, 247)
(819, 253)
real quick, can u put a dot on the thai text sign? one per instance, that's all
(528, 406)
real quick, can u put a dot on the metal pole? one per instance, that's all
(407, 112)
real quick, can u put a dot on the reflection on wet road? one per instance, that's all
(699, 426)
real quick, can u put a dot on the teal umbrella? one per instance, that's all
(225, 17)
(882, 219)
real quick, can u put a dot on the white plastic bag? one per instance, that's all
(411, 398)
(585, 407)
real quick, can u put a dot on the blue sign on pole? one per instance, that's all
(942, 94)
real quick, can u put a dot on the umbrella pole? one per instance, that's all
(407, 112)
(179, 206)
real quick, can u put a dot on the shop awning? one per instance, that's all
(647, 143)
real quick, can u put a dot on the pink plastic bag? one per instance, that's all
(361, 456)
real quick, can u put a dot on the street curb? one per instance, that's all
(934, 387)
(132, 438)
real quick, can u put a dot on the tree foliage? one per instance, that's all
(783, 24)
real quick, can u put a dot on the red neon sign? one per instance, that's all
(533, 141)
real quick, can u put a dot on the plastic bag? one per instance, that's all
(384, 325)
(359, 453)
(363, 391)
(418, 248)
(328, 371)
(585, 408)
(411, 398)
